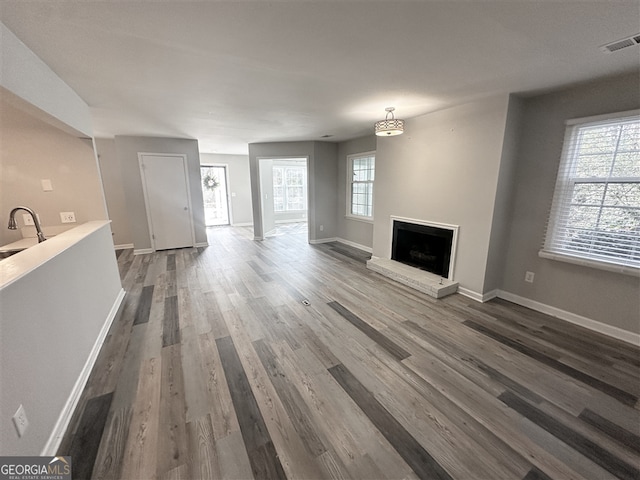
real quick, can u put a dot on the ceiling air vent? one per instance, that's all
(620, 44)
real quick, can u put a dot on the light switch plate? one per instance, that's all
(47, 186)
(28, 219)
(20, 421)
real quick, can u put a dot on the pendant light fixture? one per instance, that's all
(389, 126)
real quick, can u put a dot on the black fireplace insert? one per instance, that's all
(422, 246)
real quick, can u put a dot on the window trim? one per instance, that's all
(349, 187)
(590, 260)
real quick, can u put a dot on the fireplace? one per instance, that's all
(425, 246)
(422, 256)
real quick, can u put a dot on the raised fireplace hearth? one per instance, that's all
(422, 256)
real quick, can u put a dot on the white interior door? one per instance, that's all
(167, 198)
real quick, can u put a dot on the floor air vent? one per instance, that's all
(620, 44)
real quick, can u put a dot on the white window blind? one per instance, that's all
(595, 214)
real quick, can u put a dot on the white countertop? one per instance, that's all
(20, 264)
(29, 236)
(19, 244)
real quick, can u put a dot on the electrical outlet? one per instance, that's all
(67, 217)
(20, 421)
(528, 277)
(322, 228)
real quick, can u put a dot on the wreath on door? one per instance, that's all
(210, 182)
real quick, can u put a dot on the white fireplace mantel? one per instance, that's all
(421, 280)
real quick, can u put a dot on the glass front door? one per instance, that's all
(214, 192)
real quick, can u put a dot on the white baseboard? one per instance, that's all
(246, 224)
(490, 295)
(355, 245)
(51, 447)
(202, 244)
(123, 246)
(291, 220)
(323, 240)
(596, 326)
(478, 297)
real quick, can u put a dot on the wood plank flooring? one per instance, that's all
(278, 359)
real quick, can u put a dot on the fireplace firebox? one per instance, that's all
(422, 246)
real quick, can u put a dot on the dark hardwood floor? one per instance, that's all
(278, 359)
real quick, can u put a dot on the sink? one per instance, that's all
(8, 253)
(17, 246)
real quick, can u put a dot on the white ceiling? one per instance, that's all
(231, 73)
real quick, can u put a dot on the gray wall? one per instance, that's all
(356, 231)
(445, 169)
(127, 149)
(239, 187)
(323, 197)
(502, 209)
(113, 184)
(33, 150)
(607, 297)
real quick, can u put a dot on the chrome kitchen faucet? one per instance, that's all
(13, 225)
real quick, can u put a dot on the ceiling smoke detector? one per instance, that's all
(621, 44)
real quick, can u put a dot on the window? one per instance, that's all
(289, 187)
(595, 213)
(360, 195)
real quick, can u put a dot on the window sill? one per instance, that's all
(588, 262)
(359, 219)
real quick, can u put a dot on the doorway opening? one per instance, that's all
(214, 194)
(284, 191)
